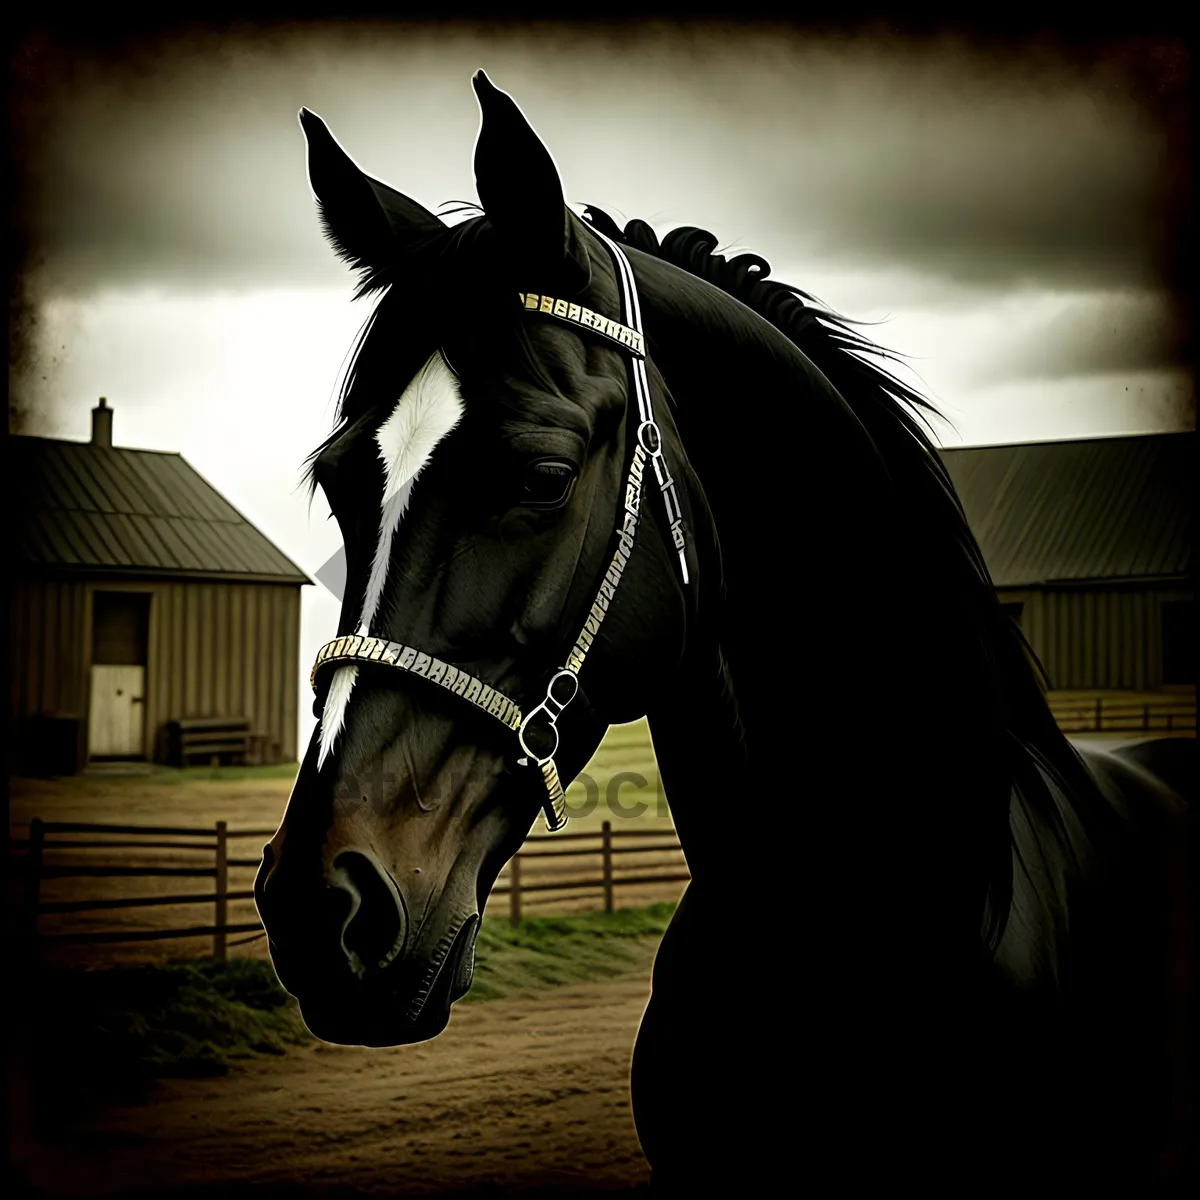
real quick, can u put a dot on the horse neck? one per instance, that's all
(824, 637)
(700, 749)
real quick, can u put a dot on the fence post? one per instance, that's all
(606, 849)
(222, 891)
(33, 876)
(514, 889)
(1145, 717)
(1099, 714)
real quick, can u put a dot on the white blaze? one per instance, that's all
(430, 407)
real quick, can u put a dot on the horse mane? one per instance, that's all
(1043, 771)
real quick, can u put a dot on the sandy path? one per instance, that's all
(517, 1094)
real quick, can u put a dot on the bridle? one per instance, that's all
(540, 724)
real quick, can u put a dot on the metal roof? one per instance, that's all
(87, 507)
(1070, 511)
(1044, 512)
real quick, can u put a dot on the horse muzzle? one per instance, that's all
(348, 952)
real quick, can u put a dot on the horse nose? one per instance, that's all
(372, 933)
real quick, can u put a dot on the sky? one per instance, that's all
(1007, 217)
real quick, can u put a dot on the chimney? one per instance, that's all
(102, 425)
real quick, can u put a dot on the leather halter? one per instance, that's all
(540, 724)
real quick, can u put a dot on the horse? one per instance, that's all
(925, 938)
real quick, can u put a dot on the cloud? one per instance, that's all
(1138, 402)
(182, 164)
(1056, 336)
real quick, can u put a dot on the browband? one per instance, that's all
(624, 336)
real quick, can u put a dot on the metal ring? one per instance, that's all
(563, 674)
(538, 758)
(656, 449)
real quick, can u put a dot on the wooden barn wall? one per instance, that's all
(1097, 638)
(228, 649)
(48, 629)
(215, 649)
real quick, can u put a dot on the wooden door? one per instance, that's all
(117, 718)
(118, 722)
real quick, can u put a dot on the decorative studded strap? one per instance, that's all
(359, 649)
(624, 336)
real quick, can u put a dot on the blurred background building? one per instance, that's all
(149, 619)
(1089, 545)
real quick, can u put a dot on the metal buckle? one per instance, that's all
(553, 707)
(566, 684)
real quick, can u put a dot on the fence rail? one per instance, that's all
(49, 838)
(1113, 716)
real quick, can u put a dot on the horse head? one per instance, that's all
(488, 454)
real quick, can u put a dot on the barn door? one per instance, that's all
(120, 627)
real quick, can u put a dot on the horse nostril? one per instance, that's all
(373, 931)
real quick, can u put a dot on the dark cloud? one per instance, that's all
(181, 163)
(1023, 171)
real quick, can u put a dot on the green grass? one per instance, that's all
(180, 776)
(103, 1035)
(549, 951)
(126, 1025)
(183, 775)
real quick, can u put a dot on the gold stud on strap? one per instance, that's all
(358, 649)
(621, 335)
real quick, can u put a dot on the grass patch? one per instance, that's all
(103, 1036)
(170, 775)
(549, 951)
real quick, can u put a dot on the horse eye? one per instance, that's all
(547, 483)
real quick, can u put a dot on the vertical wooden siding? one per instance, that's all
(1098, 638)
(47, 632)
(230, 649)
(216, 649)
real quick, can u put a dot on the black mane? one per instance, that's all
(1046, 773)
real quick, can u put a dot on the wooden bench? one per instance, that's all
(213, 740)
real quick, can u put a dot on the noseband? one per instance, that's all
(537, 730)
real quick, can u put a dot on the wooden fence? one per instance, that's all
(1104, 715)
(521, 882)
(45, 840)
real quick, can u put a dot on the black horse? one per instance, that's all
(925, 941)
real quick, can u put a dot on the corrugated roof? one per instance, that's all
(1100, 509)
(1044, 512)
(90, 507)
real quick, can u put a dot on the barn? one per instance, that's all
(148, 617)
(1089, 546)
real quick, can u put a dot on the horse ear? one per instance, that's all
(522, 194)
(367, 222)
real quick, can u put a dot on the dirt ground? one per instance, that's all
(520, 1096)
(516, 1096)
